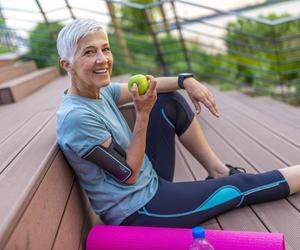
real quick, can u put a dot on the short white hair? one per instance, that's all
(68, 37)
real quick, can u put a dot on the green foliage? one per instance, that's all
(134, 19)
(5, 36)
(259, 52)
(6, 50)
(42, 44)
(144, 56)
(141, 57)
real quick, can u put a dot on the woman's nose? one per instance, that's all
(101, 58)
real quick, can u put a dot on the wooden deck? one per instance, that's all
(258, 134)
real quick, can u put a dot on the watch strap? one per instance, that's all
(181, 78)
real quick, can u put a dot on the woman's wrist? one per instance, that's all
(142, 116)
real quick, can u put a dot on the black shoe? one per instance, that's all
(232, 171)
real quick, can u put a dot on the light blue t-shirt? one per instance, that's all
(83, 123)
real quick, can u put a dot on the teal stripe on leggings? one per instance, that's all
(166, 118)
(219, 197)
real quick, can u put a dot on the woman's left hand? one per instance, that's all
(199, 93)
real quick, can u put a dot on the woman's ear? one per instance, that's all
(66, 65)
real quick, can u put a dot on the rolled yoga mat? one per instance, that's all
(155, 238)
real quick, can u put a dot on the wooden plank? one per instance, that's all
(38, 225)
(69, 232)
(227, 220)
(197, 170)
(14, 115)
(273, 221)
(277, 127)
(84, 234)
(29, 167)
(184, 173)
(281, 113)
(15, 143)
(6, 61)
(262, 160)
(278, 145)
(91, 217)
(232, 220)
(49, 97)
(284, 153)
(16, 70)
(27, 87)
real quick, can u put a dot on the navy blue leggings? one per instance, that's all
(187, 204)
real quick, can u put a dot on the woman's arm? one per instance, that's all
(197, 92)
(136, 149)
(164, 84)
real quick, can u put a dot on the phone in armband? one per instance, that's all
(112, 160)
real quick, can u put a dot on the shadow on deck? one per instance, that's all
(258, 134)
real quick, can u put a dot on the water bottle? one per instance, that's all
(200, 242)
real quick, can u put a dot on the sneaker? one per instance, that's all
(232, 171)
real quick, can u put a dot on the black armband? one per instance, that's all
(112, 160)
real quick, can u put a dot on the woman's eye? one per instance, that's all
(88, 52)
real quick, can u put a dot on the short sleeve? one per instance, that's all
(114, 89)
(81, 131)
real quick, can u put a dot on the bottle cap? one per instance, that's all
(198, 232)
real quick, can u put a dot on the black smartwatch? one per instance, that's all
(181, 78)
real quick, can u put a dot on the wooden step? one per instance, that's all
(16, 70)
(8, 59)
(21, 137)
(16, 89)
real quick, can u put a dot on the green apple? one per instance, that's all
(141, 81)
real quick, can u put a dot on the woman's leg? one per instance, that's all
(172, 115)
(167, 118)
(196, 143)
(187, 204)
(292, 176)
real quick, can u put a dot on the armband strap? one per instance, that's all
(112, 160)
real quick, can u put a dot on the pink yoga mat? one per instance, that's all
(154, 238)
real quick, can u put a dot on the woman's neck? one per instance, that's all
(88, 93)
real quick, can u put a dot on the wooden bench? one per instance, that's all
(42, 206)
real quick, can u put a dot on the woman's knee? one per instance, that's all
(177, 111)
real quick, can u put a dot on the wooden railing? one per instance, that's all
(160, 38)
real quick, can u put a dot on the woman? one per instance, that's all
(94, 136)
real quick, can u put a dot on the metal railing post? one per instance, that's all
(119, 32)
(181, 39)
(156, 42)
(163, 15)
(70, 9)
(46, 21)
(278, 68)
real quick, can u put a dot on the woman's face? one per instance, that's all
(92, 64)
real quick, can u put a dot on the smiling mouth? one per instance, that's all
(100, 71)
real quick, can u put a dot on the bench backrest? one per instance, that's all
(42, 205)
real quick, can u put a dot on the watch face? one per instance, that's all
(186, 74)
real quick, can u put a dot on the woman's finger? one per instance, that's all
(152, 82)
(197, 107)
(135, 91)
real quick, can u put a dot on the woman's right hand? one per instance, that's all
(144, 103)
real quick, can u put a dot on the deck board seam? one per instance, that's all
(24, 146)
(63, 213)
(29, 200)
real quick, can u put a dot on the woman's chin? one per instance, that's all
(103, 80)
